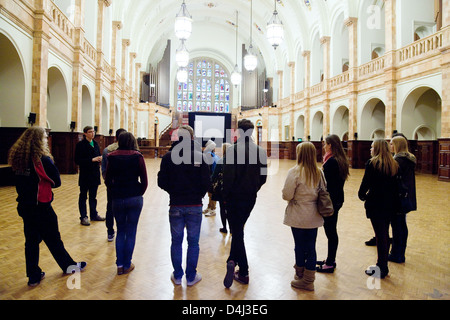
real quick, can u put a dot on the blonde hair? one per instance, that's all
(382, 158)
(30, 146)
(307, 163)
(400, 144)
(225, 146)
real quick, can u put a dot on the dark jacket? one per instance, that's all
(244, 171)
(89, 171)
(35, 185)
(407, 163)
(126, 174)
(335, 183)
(186, 181)
(380, 193)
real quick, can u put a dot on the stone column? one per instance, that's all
(125, 44)
(77, 64)
(307, 60)
(352, 26)
(390, 68)
(280, 98)
(41, 38)
(100, 55)
(325, 41)
(116, 25)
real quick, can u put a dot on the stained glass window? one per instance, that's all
(208, 88)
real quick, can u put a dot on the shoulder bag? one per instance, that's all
(324, 204)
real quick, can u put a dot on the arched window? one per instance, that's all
(208, 88)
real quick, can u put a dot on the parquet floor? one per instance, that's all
(425, 275)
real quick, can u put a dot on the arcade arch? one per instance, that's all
(12, 86)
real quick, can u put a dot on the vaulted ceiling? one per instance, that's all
(150, 23)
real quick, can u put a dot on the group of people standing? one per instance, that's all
(187, 174)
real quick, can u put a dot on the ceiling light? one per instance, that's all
(182, 75)
(183, 23)
(182, 55)
(275, 29)
(250, 60)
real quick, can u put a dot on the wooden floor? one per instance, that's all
(270, 249)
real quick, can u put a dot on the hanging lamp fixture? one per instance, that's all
(236, 77)
(250, 60)
(275, 29)
(183, 23)
(182, 55)
(182, 75)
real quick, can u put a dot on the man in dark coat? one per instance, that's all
(88, 158)
(244, 173)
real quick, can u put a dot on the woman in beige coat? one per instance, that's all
(301, 190)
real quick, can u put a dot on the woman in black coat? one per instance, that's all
(379, 190)
(35, 177)
(407, 164)
(336, 170)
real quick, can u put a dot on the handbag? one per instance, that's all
(324, 204)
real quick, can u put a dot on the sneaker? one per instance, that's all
(111, 237)
(198, 278)
(34, 283)
(175, 280)
(98, 218)
(228, 281)
(85, 221)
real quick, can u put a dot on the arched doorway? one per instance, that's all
(300, 128)
(87, 114)
(12, 86)
(57, 101)
(421, 114)
(372, 123)
(340, 122)
(105, 118)
(317, 126)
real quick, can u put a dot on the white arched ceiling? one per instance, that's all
(149, 24)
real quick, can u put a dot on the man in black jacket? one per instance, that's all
(185, 176)
(244, 173)
(88, 158)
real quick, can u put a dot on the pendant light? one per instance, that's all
(183, 23)
(182, 55)
(236, 77)
(182, 75)
(275, 29)
(250, 60)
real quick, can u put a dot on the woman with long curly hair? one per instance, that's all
(35, 176)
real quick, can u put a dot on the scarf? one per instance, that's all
(327, 156)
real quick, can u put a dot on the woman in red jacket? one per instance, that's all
(35, 176)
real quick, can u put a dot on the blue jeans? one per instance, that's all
(191, 219)
(127, 212)
(305, 247)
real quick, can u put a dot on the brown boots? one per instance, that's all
(304, 278)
